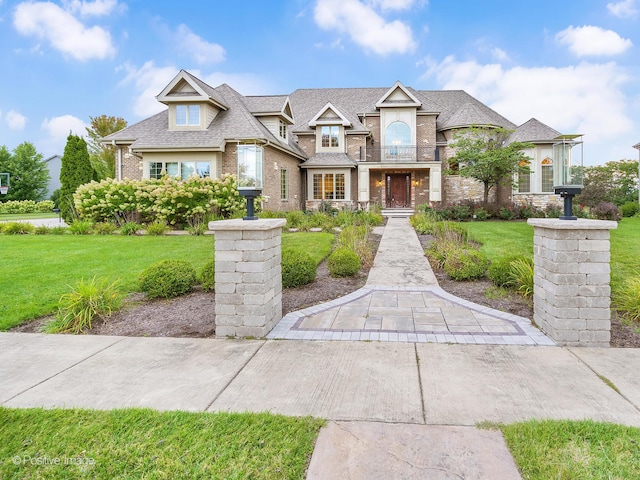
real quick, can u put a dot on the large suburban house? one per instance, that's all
(350, 147)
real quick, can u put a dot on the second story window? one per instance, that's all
(283, 130)
(187, 115)
(330, 136)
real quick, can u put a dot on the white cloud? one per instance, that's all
(392, 4)
(499, 54)
(623, 9)
(585, 98)
(96, 8)
(365, 27)
(196, 47)
(47, 21)
(15, 120)
(148, 81)
(589, 41)
(58, 129)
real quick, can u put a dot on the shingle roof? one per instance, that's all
(265, 104)
(329, 160)
(533, 130)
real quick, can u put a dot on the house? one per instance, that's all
(347, 146)
(54, 165)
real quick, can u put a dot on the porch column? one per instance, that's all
(435, 183)
(363, 184)
(248, 264)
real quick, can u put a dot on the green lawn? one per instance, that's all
(142, 443)
(38, 269)
(502, 239)
(574, 450)
(10, 217)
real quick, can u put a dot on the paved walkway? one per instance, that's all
(402, 302)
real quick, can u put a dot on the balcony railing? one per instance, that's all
(399, 154)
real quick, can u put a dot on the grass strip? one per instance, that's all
(144, 443)
(574, 450)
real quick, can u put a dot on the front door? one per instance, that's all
(398, 191)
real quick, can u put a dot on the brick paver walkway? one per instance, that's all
(409, 307)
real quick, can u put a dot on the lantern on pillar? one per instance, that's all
(250, 176)
(568, 168)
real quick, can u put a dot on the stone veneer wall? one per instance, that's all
(572, 296)
(538, 200)
(248, 275)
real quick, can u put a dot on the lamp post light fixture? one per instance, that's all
(250, 176)
(568, 168)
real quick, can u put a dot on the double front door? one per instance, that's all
(398, 190)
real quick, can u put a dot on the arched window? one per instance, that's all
(397, 133)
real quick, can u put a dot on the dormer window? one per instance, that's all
(330, 136)
(187, 115)
(282, 129)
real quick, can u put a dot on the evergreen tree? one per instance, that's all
(76, 170)
(29, 176)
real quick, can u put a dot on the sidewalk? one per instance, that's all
(402, 302)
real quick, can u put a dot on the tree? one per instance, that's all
(103, 157)
(76, 170)
(29, 176)
(615, 182)
(485, 155)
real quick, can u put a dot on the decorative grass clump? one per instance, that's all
(343, 262)
(628, 298)
(18, 228)
(81, 227)
(168, 279)
(105, 228)
(466, 264)
(522, 275)
(86, 301)
(130, 228)
(157, 227)
(298, 268)
(208, 276)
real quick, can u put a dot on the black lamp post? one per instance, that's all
(250, 176)
(568, 166)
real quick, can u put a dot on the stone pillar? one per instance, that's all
(571, 293)
(248, 260)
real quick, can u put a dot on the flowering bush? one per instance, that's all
(26, 206)
(168, 199)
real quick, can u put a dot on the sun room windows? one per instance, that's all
(181, 170)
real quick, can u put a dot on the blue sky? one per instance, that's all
(572, 64)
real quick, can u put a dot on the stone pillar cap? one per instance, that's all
(239, 224)
(579, 224)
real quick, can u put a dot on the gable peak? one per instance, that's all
(398, 96)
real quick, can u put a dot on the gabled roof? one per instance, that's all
(186, 88)
(270, 105)
(329, 115)
(236, 123)
(398, 95)
(637, 145)
(534, 131)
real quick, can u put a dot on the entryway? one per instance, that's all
(398, 190)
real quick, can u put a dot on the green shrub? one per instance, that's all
(438, 251)
(343, 262)
(506, 213)
(466, 264)
(499, 272)
(296, 219)
(460, 213)
(481, 215)
(157, 227)
(423, 223)
(629, 209)
(81, 227)
(18, 228)
(197, 229)
(356, 238)
(552, 211)
(130, 228)
(207, 276)
(105, 228)
(45, 206)
(167, 279)
(450, 232)
(42, 230)
(522, 275)
(627, 299)
(321, 220)
(298, 268)
(87, 300)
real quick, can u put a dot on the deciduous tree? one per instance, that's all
(615, 182)
(29, 176)
(486, 155)
(103, 157)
